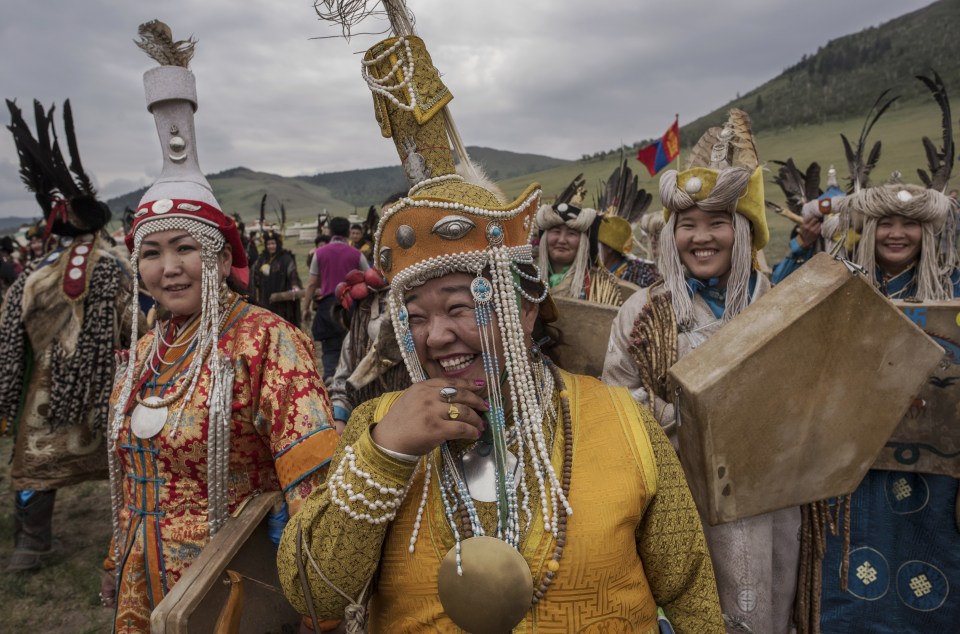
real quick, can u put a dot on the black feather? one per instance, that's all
(571, 190)
(86, 186)
(812, 182)
(940, 163)
(793, 183)
(373, 219)
(263, 211)
(851, 162)
(622, 195)
(860, 169)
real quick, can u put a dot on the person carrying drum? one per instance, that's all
(715, 225)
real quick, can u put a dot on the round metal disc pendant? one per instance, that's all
(495, 591)
(146, 422)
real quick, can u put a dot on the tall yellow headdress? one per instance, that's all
(446, 213)
(454, 220)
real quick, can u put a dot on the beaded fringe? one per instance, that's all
(221, 377)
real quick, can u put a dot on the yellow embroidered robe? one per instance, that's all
(633, 542)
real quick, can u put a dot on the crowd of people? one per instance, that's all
(439, 470)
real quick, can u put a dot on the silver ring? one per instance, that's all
(447, 393)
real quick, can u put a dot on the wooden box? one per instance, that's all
(792, 401)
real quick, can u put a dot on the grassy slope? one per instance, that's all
(900, 130)
(60, 598)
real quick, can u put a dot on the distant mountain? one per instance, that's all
(366, 187)
(240, 190)
(846, 75)
(11, 223)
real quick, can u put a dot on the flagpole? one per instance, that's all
(676, 119)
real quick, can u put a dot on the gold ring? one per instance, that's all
(453, 412)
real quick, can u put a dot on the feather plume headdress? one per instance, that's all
(156, 40)
(723, 174)
(929, 206)
(64, 191)
(622, 203)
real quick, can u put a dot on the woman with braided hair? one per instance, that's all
(715, 224)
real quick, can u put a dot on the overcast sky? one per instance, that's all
(550, 77)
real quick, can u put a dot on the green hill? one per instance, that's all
(240, 190)
(845, 76)
(900, 131)
(366, 187)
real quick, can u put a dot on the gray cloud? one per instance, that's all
(542, 76)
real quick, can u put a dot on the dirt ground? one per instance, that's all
(61, 597)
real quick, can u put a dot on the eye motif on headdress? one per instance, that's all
(386, 259)
(453, 227)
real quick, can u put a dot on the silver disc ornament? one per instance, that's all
(146, 422)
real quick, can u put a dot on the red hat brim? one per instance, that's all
(191, 210)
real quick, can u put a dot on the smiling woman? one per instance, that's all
(715, 223)
(217, 403)
(480, 498)
(172, 270)
(908, 250)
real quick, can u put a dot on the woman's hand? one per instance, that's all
(421, 418)
(108, 590)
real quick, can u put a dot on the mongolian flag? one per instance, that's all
(658, 154)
